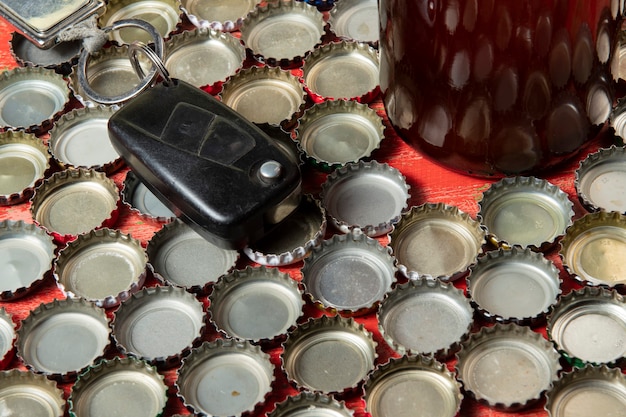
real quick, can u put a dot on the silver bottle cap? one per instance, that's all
(349, 273)
(369, 196)
(600, 180)
(24, 163)
(105, 266)
(63, 337)
(227, 16)
(7, 338)
(525, 211)
(60, 57)
(32, 394)
(158, 324)
(142, 201)
(330, 355)
(256, 304)
(308, 404)
(225, 378)
(355, 20)
(435, 240)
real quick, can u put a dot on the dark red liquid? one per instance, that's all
(498, 87)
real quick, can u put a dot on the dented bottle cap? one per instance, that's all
(104, 266)
(63, 337)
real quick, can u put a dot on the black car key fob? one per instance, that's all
(214, 169)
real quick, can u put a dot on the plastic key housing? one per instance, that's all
(217, 171)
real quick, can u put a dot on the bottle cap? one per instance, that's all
(7, 338)
(104, 266)
(589, 325)
(225, 378)
(27, 256)
(593, 248)
(591, 390)
(142, 201)
(330, 355)
(600, 180)
(75, 201)
(217, 14)
(531, 366)
(423, 379)
(265, 95)
(336, 132)
(370, 196)
(25, 161)
(282, 33)
(179, 256)
(425, 316)
(349, 273)
(32, 98)
(294, 238)
(525, 211)
(164, 15)
(346, 70)
(63, 337)
(516, 285)
(111, 74)
(60, 57)
(256, 304)
(308, 404)
(80, 139)
(31, 394)
(204, 57)
(100, 389)
(355, 20)
(435, 240)
(617, 119)
(158, 324)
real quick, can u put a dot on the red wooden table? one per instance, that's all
(429, 182)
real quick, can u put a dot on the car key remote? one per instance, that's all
(214, 169)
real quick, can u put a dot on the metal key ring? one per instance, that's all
(157, 62)
(146, 81)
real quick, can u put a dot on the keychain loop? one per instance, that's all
(145, 81)
(157, 62)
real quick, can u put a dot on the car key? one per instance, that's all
(217, 171)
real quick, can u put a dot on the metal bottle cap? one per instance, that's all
(158, 324)
(256, 304)
(425, 316)
(342, 70)
(531, 366)
(32, 394)
(7, 338)
(349, 273)
(336, 132)
(179, 256)
(98, 391)
(330, 355)
(308, 404)
(355, 20)
(265, 95)
(282, 33)
(589, 325)
(27, 256)
(63, 337)
(591, 390)
(24, 162)
(31, 98)
(515, 284)
(294, 238)
(204, 57)
(395, 388)
(164, 15)
(435, 240)
(104, 265)
(225, 378)
(366, 195)
(600, 180)
(222, 15)
(60, 57)
(75, 201)
(80, 139)
(142, 201)
(593, 248)
(525, 211)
